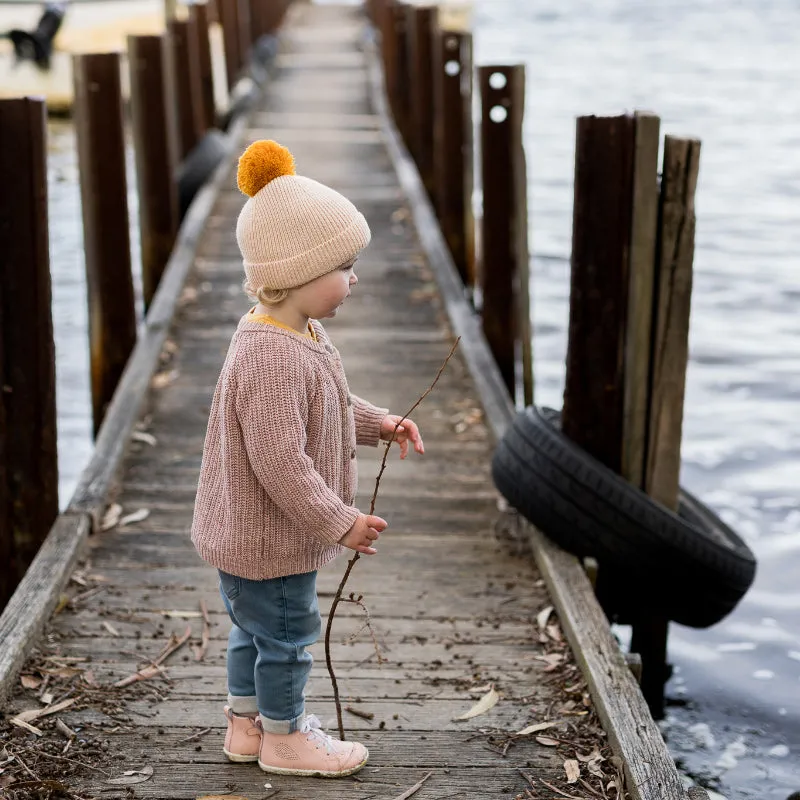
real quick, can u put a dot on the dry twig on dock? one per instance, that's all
(350, 564)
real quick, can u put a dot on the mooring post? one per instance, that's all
(199, 14)
(504, 275)
(228, 12)
(187, 90)
(670, 349)
(28, 453)
(402, 97)
(245, 32)
(449, 150)
(601, 235)
(155, 169)
(422, 22)
(467, 90)
(104, 198)
(389, 53)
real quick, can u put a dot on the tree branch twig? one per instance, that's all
(350, 564)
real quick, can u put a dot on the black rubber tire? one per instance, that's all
(689, 567)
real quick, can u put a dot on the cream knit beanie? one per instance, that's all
(292, 229)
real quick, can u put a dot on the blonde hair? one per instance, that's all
(265, 295)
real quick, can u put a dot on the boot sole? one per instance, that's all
(313, 773)
(237, 758)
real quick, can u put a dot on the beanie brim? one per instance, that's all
(304, 267)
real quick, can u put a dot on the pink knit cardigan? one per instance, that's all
(278, 476)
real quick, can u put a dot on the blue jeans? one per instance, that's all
(273, 622)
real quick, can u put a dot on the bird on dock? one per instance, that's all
(37, 45)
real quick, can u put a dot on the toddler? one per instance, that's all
(278, 476)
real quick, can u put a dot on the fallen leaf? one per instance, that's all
(554, 632)
(539, 726)
(30, 681)
(553, 661)
(136, 516)
(543, 616)
(593, 756)
(162, 379)
(547, 741)
(488, 701)
(20, 723)
(572, 769)
(111, 517)
(47, 698)
(132, 776)
(34, 713)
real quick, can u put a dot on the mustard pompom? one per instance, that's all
(261, 163)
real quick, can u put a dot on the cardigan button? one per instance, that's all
(352, 454)
(349, 400)
(329, 348)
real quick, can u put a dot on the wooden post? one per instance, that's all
(671, 330)
(469, 157)
(28, 453)
(422, 22)
(245, 32)
(187, 91)
(449, 145)
(200, 61)
(389, 51)
(670, 349)
(155, 168)
(104, 198)
(228, 11)
(601, 236)
(504, 279)
(401, 100)
(640, 297)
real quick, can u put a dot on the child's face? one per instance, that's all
(323, 296)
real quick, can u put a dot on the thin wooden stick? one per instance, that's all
(350, 564)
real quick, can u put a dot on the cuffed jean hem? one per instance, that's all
(243, 705)
(281, 726)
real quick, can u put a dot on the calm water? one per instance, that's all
(723, 72)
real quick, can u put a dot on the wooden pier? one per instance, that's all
(457, 607)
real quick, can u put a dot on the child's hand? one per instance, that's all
(366, 529)
(407, 432)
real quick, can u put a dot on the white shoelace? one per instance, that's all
(312, 727)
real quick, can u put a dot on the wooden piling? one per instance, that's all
(670, 349)
(422, 22)
(468, 123)
(104, 198)
(28, 453)
(400, 99)
(638, 334)
(389, 48)
(228, 12)
(451, 118)
(601, 236)
(504, 277)
(245, 32)
(187, 86)
(671, 329)
(155, 168)
(200, 55)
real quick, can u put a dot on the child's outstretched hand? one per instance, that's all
(407, 432)
(365, 531)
